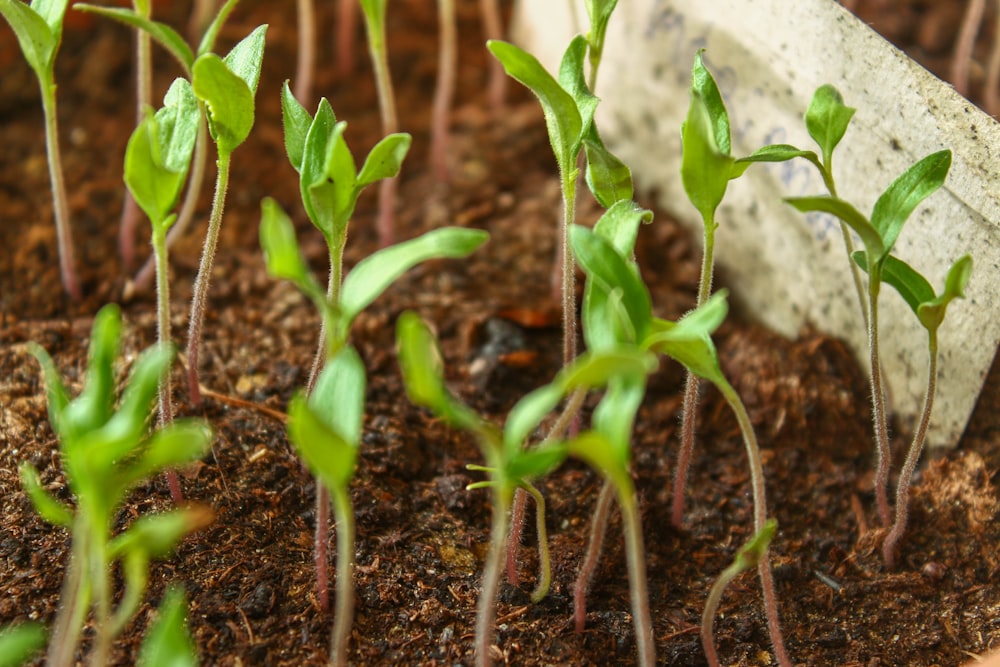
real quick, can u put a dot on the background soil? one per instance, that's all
(421, 535)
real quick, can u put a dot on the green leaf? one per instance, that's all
(56, 393)
(20, 642)
(52, 12)
(384, 160)
(423, 376)
(704, 86)
(319, 195)
(372, 275)
(528, 413)
(596, 369)
(912, 286)
(931, 313)
(905, 194)
(297, 123)
(572, 79)
(168, 642)
(619, 225)
(212, 32)
(157, 535)
(228, 98)
(596, 450)
(599, 13)
(608, 178)
(245, 59)
(94, 406)
(827, 119)
(329, 455)
(339, 395)
(562, 117)
(175, 444)
(846, 212)
(610, 271)
(161, 33)
(374, 11)
(615, 414)
(281, 249)
(178, 120)
(48, 507)
(38, 42)
(527, 464)
(705, 167)
(772, 153)
(689, 341)
(751, 553)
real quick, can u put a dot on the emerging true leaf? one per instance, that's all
(827, 119)
(168, 642)
(608, 178)
(229, 100)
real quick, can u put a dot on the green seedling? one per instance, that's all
(38, 28)
(748, 557)
(622, 312)
(169, 39)
(510, 464)
(105, 453)
(599, 12)
(930, 310)
(878, 234)
(568, 107)
(374, 11)
(20, 642)
(707, 166)
(168, 641)
(226, 86)
(328, 440)
(157, 159)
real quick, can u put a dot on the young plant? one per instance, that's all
(170, 40)
(38, 28)
(930, 310)
(623, 307)
(105, 453)
(20, 642)
(374, 11)
(568, 107)
(707, 166)
(748, 557)
(878, 234)
(156, 163)
(168, 641)
(510, 464)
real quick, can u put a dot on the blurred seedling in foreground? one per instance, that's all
(38, 28)
(106, 450)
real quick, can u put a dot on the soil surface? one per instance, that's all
(421, 535)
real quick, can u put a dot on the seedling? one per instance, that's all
(707, 166)
(106, 452)
(168, 642)
(38, 28)
(444, 91)
(621, 308)
(879, 234)
(569, 106)
(374, 11)
(748, 557)
(170, 40)
(510, 464)
(930, 310)
(330, 185)
(20, 642)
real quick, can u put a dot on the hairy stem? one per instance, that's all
(879, 416)
(544, 562)
(690, 405)
(306, 62)
(60, 207)
(568, 270)
(759, 519)
(100, 580)
(487, 604)
(638, 590)
(444, 92)
(74, 602)
(201, 283)
(493, 29)
(891, 544)
(592, 556)
(344, 613)
(711, 609)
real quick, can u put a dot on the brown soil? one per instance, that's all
(421, 535)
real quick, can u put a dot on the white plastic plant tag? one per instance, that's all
(788, 269)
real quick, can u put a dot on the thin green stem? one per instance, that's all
(390, 124)
(544, 562)
(486, 606)
(759, 519)
(60, 207)
(344, 613)
(878, 402)
(690, 405)
(890, 546)
(827, 172)
(711, 609)
(592, 556)
(100, 580)
(638, 589)
(74, 602)
(201, 283)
